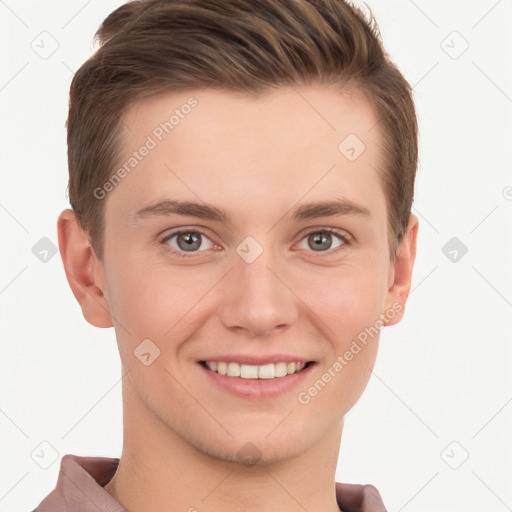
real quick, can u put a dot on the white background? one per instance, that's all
(442, 375)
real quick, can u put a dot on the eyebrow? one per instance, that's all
(303, 211)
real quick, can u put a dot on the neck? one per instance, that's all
(159, 470)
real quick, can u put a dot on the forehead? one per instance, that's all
(275, 148)
(332, 110)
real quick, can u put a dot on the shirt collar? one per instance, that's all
(80, 486)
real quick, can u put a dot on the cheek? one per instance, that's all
(346, 300)
(349, 315)
(347, 303)
(153, 300)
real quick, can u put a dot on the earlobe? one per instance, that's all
(81, 267)
(402, 271)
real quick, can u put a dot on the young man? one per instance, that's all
(241, 177)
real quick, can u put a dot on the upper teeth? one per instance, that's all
(249, 371)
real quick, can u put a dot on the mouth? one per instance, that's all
(256, 382)
(268, 371)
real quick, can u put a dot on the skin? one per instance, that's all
(257, 158)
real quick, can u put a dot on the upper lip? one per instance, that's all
(257, 360)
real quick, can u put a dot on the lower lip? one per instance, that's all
(258, 389)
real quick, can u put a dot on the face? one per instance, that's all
(257, 272)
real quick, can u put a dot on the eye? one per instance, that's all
(186, 241)
(321, 240)
(191, 240)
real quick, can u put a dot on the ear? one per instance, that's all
(400, 274)
(83, 270)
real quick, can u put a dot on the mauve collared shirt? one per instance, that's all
(80, 486)
(81, 481)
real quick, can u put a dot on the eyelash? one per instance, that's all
(182, 254)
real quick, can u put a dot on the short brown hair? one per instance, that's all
(153, 46)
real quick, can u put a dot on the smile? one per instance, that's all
(248, 371)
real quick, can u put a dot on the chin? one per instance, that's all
(256, 448)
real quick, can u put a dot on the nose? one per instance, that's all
(257, 298)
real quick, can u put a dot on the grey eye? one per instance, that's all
(188, 241)
(321, 241)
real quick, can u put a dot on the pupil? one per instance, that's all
(319, 241)
(191, 241)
